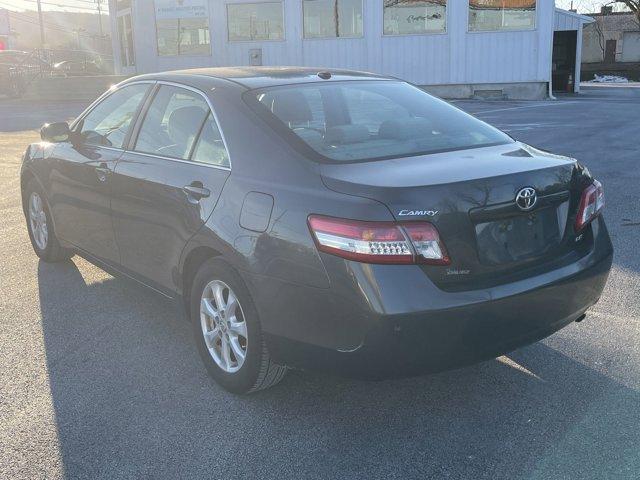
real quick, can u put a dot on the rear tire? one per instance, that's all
(40, 227)
(223, 312)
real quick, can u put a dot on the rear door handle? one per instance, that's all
(103, 171)
(196, 191)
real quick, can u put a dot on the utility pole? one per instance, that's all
(42, 40)
(101, 42)
(78, 31)
(99, 2)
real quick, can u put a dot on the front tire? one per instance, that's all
(40, 227)
(227, 331)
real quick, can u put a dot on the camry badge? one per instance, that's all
(414, 213)
(526, 198)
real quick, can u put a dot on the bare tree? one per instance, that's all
(599, 24)
(598, 27)
(634, 6)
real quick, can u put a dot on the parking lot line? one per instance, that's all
(546, 104)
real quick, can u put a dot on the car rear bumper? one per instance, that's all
(390, 325)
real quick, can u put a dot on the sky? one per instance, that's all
(583, 6)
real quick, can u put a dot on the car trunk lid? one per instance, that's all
(469, 195)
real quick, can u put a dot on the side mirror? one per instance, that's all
(55, 132)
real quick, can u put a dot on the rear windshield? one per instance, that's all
(369, 120)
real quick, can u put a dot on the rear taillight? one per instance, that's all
(378, 242)
(591, 204)
(427, 244)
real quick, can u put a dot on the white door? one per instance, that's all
(631, 47)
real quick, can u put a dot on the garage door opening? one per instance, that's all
(564, 60)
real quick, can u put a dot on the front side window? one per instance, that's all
(182, 28)
(369, 120)
(493, 15)
(255, 21)
(108, 123)
(332, 18)
(411, 17)
(172, 123)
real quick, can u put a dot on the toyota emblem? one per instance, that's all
(526, 198)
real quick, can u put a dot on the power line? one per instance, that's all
(26, 16)
(58, 3)
(48, 25)
(62, 5)
(97, 4)
(91, 2)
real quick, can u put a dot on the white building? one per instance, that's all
(612, 37)
(456, 48)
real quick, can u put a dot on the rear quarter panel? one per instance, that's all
(280, 265)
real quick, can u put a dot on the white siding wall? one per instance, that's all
(454, 57)
(564, 20)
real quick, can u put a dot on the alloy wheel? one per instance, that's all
(38, 221)
(223, 326)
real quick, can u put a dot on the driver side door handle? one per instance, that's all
(195, 191)
(103, 172)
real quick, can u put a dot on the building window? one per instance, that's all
(492, 15)
(411, 17)
(332, 18)
(255, 21)
(182, 28)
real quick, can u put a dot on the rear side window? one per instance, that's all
(210, 148)
(369, 120)
(172, 123)
(107, 124)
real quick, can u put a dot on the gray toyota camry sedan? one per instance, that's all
(316, 219)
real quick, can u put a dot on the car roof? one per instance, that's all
(260, 77)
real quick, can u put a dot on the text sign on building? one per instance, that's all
(173, 9)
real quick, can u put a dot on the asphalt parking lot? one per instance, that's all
(99, 378)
